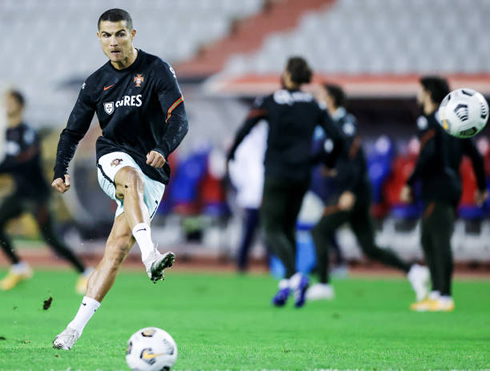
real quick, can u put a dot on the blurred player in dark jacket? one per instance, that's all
(292, 116)
(437, 169)
(351, 204)
(22, 162)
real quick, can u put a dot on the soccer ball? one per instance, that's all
(463, 113)
(151, 349)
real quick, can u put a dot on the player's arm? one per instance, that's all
(257, 112)
(29, 149)
(356, 163)
(172, 103)
(334, 134)
(470, 150)
(76, 128)
(427, 150)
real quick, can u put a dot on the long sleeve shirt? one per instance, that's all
(139, 108)
(292, 116)
(23, 162)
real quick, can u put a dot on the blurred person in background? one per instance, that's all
(437, 169)
(140, 109)
(292, 116)
(22, 162)
(351, 204)
(246, 173)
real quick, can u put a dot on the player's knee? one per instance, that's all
(130, 182)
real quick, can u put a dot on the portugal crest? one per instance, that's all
(138, 80)
(116, 162)
(109, 107)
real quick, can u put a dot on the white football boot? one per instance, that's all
(66, 339)
(320, 291)
(156, 263)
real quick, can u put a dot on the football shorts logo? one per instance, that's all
(114, 163)
(109, 107)
(138, 80)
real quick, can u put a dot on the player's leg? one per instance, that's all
(138, 197)
(363, 227)
(45, 221)
(299, 282)
(272, 220)
(132, 188)
(19, 270)
(100, 282)
(322, 234)
(340, 268)
(249, 230)
(444, 215)
(427, 241)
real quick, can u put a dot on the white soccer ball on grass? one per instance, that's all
(151, 349)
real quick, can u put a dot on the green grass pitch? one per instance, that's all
(226, 322)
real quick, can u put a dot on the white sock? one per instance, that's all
(87, 309)
(142, 234)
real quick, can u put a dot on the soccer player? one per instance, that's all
(292, 116)
(140, 109)
(246, 172)
(437, 169)
(31, 193)
(351, 204)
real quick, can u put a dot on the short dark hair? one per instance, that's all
(299, 69)
(437, 87)
(116, 15)
(337, 94)
(18, 96)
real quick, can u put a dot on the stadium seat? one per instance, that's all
(186, 181)
(379, 169)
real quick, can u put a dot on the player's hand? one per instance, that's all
(481, 197)
(406, 194)
(60, 185)
(328, 172)
(155, 159)
(346, 201)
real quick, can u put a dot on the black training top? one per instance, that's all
(467, 147)
(139, 108)
(439, 180)
(350, 165)
(292, 116)
(23, 162)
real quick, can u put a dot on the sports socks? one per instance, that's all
(142, 234)
(87, 309)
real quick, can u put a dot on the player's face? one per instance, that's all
(13, 106)
(422, 96)
(116, 40)
(330, 103)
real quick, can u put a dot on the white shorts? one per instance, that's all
(107, 168)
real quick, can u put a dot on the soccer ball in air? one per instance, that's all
(151, 349)
(463, 113)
